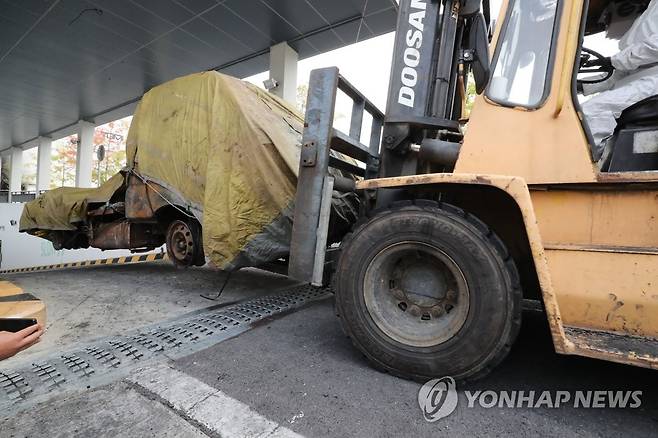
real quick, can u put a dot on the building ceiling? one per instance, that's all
(67, 60)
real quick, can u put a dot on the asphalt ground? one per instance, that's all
(296, 374)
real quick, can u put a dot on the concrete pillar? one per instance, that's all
(283, 69)
(84, 159)
(16, 170)
(43, 163)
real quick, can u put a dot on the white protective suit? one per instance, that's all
(635, 79)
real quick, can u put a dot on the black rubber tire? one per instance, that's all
(198, 257)
(494, 316)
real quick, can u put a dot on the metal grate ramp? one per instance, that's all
(106, 360)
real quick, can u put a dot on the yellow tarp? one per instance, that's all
(225, 145)
(227, 148)
(61, 209)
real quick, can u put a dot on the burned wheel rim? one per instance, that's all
(181, 246)
(416, 294)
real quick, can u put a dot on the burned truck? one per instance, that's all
(211, 172)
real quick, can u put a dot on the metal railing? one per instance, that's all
(6, 196)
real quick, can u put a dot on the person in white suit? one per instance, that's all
(635, 78)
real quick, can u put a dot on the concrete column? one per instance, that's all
(43, 163)
(283, 69)
(16, 169)
(84, 159)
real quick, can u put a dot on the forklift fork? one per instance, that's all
(325, 148)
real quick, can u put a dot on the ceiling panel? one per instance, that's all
(66, 60)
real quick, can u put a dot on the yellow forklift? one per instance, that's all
(464, 219)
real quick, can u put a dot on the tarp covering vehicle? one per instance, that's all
(213, 157)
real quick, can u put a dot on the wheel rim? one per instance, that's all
(416, 294)
(180, 243)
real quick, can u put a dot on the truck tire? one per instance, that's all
(184, 244)
(426, 290)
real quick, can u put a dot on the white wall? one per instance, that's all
(20, 250)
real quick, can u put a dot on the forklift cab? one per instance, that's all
(634, 144)
(539, 63)
(464, 216)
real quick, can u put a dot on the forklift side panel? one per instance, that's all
(612, 291)
(610, 238)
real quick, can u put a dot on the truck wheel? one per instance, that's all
(426, 290)
(184, 246)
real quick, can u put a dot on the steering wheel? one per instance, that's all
(593, 63)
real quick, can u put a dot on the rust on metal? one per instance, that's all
(603, 248)
(628, 177)
(114, 235)
(627, 349)
(123, 234)
(142, 202)
(117, 208)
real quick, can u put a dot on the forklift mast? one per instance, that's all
(438, 42)
(428, 79)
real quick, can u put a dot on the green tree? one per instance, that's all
(63, 159)
(471, 94)
(113, 137)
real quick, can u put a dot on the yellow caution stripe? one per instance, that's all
(112, 261)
